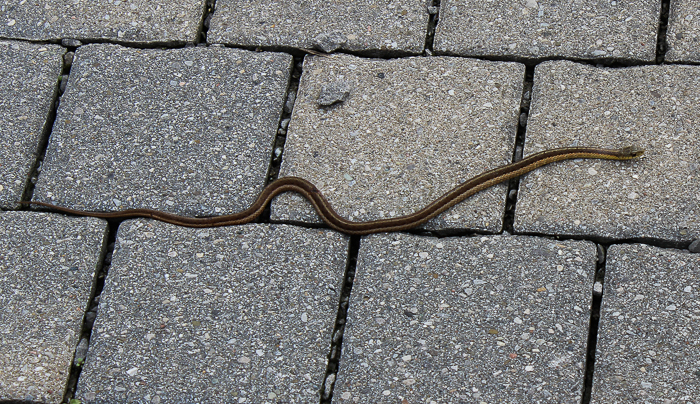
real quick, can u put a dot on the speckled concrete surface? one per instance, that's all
(654, 107)
(366, 25)
(507, 321)
(616, 30)
(238, 314)
(47, 266)
(188, 131)
(410, 130)
(139, 21)
(683, 33)
(648, 346)
(30, 73)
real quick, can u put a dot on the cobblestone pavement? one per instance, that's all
(578, 283)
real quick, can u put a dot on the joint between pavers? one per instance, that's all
(207, 13)
(514, 184)
(433, 20)
(593, 324)
(47, 129)
(91, 310)
(661, 43)
(336, 343)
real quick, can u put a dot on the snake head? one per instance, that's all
(632, 151)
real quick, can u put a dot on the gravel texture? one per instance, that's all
(613, 30)
(47, 269)
(654, 107)
(136, 21)
(477, 320)
(30, 73)
(237, 315)
(409, 131)
(360, 25)
(648, 347)
(188, 131)
(683, 33)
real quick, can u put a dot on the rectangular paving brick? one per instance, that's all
(648, 347)
(683, 33)
(136, 21)
(475, 320)
(30, 75)
(612, 30)
(366, 25)
(408, 131)
(654, 107)
(227, 315)
(188, 131)
(47, 269)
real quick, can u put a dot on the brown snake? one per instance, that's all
(337, 222)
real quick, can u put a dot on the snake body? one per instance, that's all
(337, 222)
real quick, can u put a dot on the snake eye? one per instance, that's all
(632, 151)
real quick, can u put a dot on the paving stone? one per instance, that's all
(409, 131)
(140, 21)
(361, 25)
(648, 348)
(188, 131)
(683, 33)
(616, 30)
(26, 96)
(47, 269)
(481, 319)
(654, 107)
(237, 314)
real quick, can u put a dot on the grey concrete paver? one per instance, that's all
(236, 315)
(366, 25)
(654, 107)
(47, 269)
(480, 319)
(410, 130)
(549, 28)
(683, 33)
(139, 21)
(648, 346)
(188, 131)
(30, 74)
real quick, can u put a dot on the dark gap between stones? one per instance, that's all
(203, 29)
(91, 310)
(336, 343)
(282, 126)
(661, 43)
(513, 184)
(433, 19)
(594, 321)
(43, 143)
